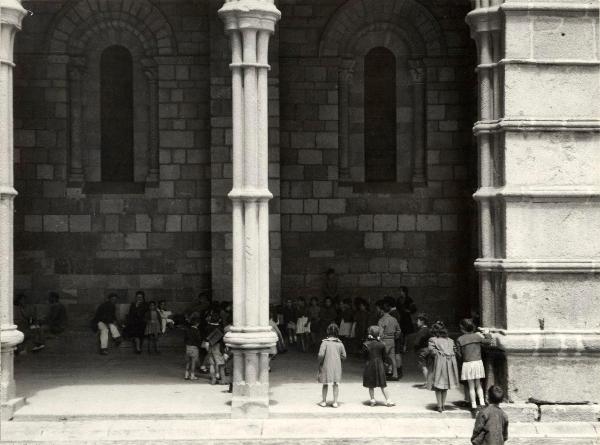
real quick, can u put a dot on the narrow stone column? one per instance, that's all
(417, 73)
(76, 72)
(11, 15)
(539, 196)
(249, 24)
(151, 73)
(345, 75)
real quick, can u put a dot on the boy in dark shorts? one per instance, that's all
(421, 345)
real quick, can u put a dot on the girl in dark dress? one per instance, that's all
(136, 320)
(374, 373)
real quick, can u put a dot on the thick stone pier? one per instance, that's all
(539, 194)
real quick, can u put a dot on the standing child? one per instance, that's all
(491, 424)
(153, 328)
(193, 340)
(468, 347)
(421, 345)
(302, 324)
(374, 374)
(314, 317)
(347, 321)
(289, 320)
(331, 354)
(444, 372)
(214, 346)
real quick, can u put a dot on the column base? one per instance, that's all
(8, 408)
(245, 405)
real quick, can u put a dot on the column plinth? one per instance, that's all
(11, 15)
(249, 24)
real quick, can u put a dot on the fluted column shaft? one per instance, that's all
(11, 15)
(417, 72)
(249, 25)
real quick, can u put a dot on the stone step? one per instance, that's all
(287, 431)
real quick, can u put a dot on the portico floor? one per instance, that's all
(125, 385)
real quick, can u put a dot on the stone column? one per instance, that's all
(345, 75)
(539, 196)
(151, 73)
(417, 74)
(249, 24)
(11, 15)
(75, 69)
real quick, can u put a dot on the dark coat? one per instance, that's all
(375, 355)
(106, 313)
(136, 320)
(491, 426)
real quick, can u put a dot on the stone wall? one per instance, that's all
(171, 235)
(155, 236)
(377, 237)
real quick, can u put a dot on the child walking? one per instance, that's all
(302, 325)
(491, 424)
(468, 347)
(331, 354)
(153, 326)
(444, 372)
(374, 374)
(193, 340)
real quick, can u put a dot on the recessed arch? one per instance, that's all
(419, 25)
(72, 28)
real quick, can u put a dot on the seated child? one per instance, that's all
(165, 316)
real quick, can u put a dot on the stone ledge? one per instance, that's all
(569, 413)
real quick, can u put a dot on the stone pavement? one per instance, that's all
(125, 398)
(123, 384)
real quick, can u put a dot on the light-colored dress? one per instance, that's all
(331, 354)
(302, 325)
(153, 324)
(444, 370)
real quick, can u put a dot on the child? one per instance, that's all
(347, 321)
(421, 345)
(491, 424)
(314, 318)
(331, 354)
(468, 347)
(302, 324)
(374, 374)
(152, 329)
(193, 340)
(214, 347)
(289, 319)
(444, 372)
(165, 316)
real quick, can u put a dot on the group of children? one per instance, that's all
(438, 360)
(204, 332)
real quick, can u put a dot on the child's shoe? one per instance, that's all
(323, 404)
(187, 375)
(372, 402)
(335, 405)
(193, 377)
(389, 403)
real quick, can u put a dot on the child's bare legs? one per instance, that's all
(479, 390)
(324, 395)
(372, 396)
(188, 367)
(213, 374)
(193, 368)
(472, 393)
(440, 395)
(138, 344)
(425, 373)
(336, 393)
(444, 394)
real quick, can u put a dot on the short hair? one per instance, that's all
(423, 317)
(140, 292)
(495, 394)
(152, 302)
(374, 331)
(112, 295)
(333, 330)
(195, 320)
(386, 306)
(439, 329)
(404, 289)
(467, 325)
